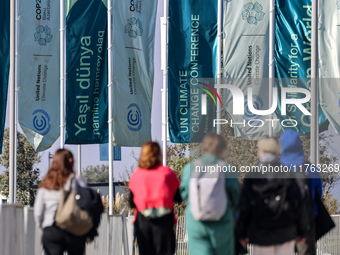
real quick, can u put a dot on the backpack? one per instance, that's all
(79, 211)
(207, 194)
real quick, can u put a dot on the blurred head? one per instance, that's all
(214, 144)
(60, 169)
(292, 148)
(150, 156)
(268, 144)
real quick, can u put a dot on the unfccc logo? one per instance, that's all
(257, 104)
(41, 122)
(134, 117)
(134, 27)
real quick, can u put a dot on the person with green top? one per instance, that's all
(210, 232)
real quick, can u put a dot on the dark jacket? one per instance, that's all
(269, 210)
(292, 155)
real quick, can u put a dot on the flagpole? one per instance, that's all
(218, 66)
(79, 160)
(109, 39)
(62, 71)
(271, 57)
(12, 102)
(314, 87)
(164, 54)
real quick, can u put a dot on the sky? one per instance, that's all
(90, 153)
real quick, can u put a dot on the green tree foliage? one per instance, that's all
(93, 174)
(27, 175)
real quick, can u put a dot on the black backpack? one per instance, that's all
(275, 202)
(90, 201)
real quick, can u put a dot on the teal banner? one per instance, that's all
(192, 63)
(133, 38)
(293, 59)
(4, 63)
(38, 76)
(86, 68)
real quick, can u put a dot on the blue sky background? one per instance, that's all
(90, 153)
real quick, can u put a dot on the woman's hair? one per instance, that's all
(214, 144)
(150, 155)
(60, 170)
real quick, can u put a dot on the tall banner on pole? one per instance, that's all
(86, 68)
(246, 65)
(38, 71)
(293, 59)
(192, 68)
(133, 37)
(4, 63)
(329, 61)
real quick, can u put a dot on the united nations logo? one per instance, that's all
(134, 27)
(253, 13)
(41, 122)
(338, 4)
(258, 105)
(43, 35)
(134, 117)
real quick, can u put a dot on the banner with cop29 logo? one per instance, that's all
(192, 68)
(86, 68)
(246, 59)
(38, 71)
(329, 60)
(293, 58)
(4, 63)
(133, 36)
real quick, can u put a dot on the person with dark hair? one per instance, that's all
(210, 198)
(154, 189)
(55, 240)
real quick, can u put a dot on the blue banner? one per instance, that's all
(191, 59)
(104, 152)
(86, 68)
(4, 63)
(293, 59)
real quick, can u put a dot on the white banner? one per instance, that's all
(38, 71)
(133, 36)
(246, 59)
(329, 60)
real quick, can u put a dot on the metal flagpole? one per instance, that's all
(79, 160)
(16, 113)
(62, 70)
(314, 132)
(271, 57)
(12, 118)
(164, 54)
(109, 38)
(218, 74)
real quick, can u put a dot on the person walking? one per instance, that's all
(210, 199)
(292, 155)
(270, 213)
(154, 189)
(55, 240)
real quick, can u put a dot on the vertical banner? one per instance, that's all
(133, 37)
(192, 67)
(38, 71)
(329, 60)
(293, 59)
(86, 68)
(246, 65)
(4, 63)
